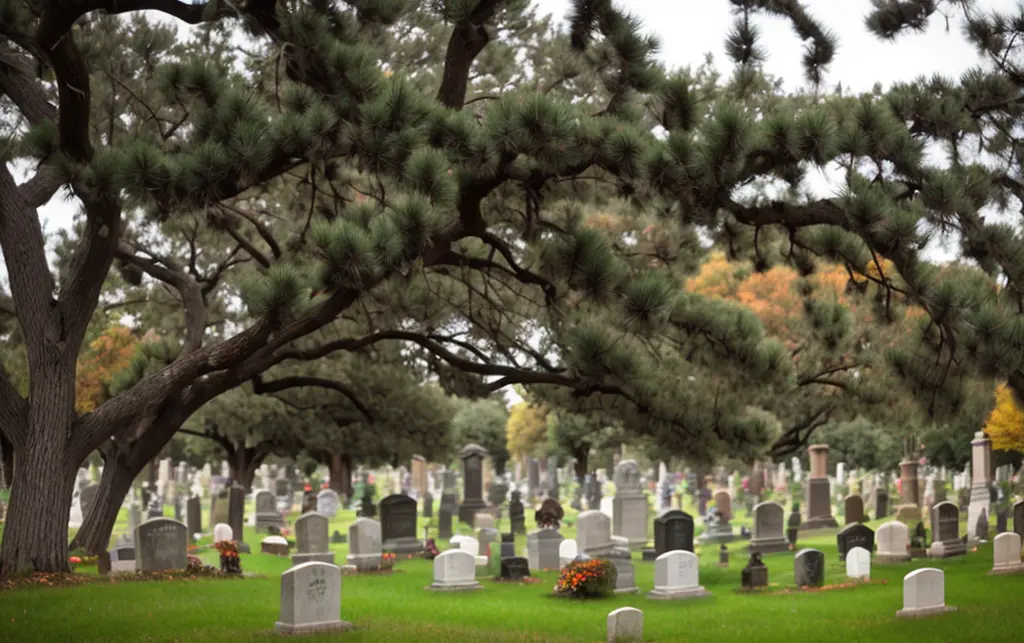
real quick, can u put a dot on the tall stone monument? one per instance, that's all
(629, 513)
(472, 457)
(981, 469)
(909, 510)
(819, 500)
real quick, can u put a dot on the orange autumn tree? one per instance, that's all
(107, 355)
(826, 319)
(1005, 425)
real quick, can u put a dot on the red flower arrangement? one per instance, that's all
(230, 563)
(387, 561)
(587, 578)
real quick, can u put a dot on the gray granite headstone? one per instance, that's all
(161, 544)
(809, 568)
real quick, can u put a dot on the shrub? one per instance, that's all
(587, 578)
(194, 564)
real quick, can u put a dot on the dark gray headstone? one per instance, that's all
(473, 482)
(809, 568)
(1018, 518)
(194, 516)
(444, 521)
(161, 544)
(945, 522)
(855, 535)
(514, 568)
(853, 509)
(673, 530)
(517, 513)
(398, 514)
(428, 505)
(881, 503)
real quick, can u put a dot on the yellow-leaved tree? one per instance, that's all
(1005, 425)
(107, 355)
(527, 429)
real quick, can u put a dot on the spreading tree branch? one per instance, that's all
(260, 387)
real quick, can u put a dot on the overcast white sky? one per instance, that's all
(688, 29)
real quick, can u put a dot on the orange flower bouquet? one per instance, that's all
(587, 579)
(230, 563)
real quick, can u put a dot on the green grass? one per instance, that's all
(396, 608)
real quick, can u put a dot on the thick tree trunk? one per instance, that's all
(582, 458)
(340, 467)
(243, 462)
(6, 462)
(98, 524)
(35, 535)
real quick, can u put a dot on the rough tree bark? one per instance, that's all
(6, 462)
(340, 467)
(243, 463)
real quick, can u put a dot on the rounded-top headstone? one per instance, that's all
(222, 532)
(626, 625)
(311, 599)
(809, 568)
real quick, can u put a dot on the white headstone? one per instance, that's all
(593, 531)
(222, 532)
(1006, 554)
(892, 539)
(455, 570)
(626, 625)
(312, 539)
(676, 576)
(364, 544)
(483, 520)
(311, 599)
(924, 593)
(327, 503)
(858, 563)
(567, 551)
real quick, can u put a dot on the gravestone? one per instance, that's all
(428, 505)
(455, 571)
(161, 544)
(858, 563)
(398, 524)
(328, 503)
(219, 507)
(517, 513)
(853, 509)
(514, 568)
(1006, 554)
(673, 530)
(87, 496)
(594, 537)
(311, 600)
(223, 532)
(444, 521)
(312, 540)
(769, 529)
(676, 576)
(818, 488)
(881, 503)
(718, 529)
(236, 516)
(508, 545)
(981, 528)
(723, 502)
(364, 544)
(274, 545)
(567, 551)
(946, 532)
(855, 535)
(809, 568)
(267, 514)
(483, 521)
(629, 507)
(924, 593)
(472, 457)
(542, 548)
(1018, 518)
(122, 560)
(893, 540)
(194, 517)
(755, 574)
(625, 625)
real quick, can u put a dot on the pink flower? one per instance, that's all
(75, 559)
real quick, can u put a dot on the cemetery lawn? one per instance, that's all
(396, 608)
